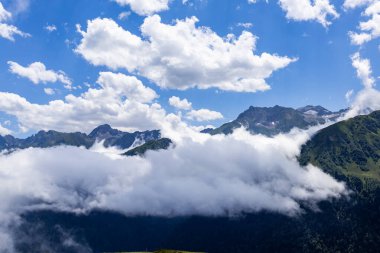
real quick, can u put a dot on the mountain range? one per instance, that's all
(263, 120)
(105, 133)
(274, 120)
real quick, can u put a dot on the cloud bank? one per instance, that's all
(181, 181)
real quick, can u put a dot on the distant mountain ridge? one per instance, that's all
(104, 133)
(258, 120)
(278, 119)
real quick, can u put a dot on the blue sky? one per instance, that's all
(321, 75)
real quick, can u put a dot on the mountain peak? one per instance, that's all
(104, 127)
(277, 119)
(104, 131)
(314, 109)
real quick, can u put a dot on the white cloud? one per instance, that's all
(307, 10)
(124, 15)
(181, 56)
(245, 25)
(368, 99)
(49, 91)
(255, 1)
(50, 28)
(37, 73)
(4, 14)
(183, 104)
(106, 43)
(4, 130)
(349, 95)
(359, 38)
(363, 70)
(351, 4)
(204, 115)
(369, 29)
(145, 7)
(8, 31)
(185, 180)
(19, 6)
(128, 86)
(120, 101)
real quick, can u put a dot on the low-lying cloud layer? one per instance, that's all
(205, 175)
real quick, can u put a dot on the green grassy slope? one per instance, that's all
(348, 150)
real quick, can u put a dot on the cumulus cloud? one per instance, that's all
(306, 10)
(350, 4)
(349, 95)
(4, 14)
(181, 56)
(49, 91)
(183, 104)
(204, 115)
(122, 101)
(363, 70)
(128, 86)
(369, 29)
(19, 6)
(145, 7)
(124, 15)
(181, 181)
(368, 99)
(37, 73)
(245, 25)
(50, 28)
(4, 130)
(8, 31)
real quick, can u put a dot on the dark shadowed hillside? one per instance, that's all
(159, 144)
